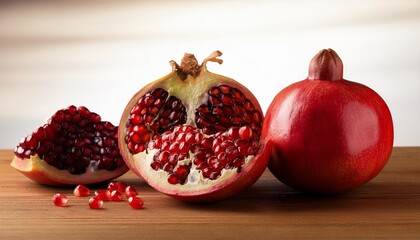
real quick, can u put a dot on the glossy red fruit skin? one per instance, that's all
(328, 136)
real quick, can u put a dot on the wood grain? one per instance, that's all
(388, 207)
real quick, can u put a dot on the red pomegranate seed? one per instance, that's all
(81, 191)
(130, 191)
(103, 195)
(214, 175)
(164, 156)
(245, 132)
(60, 200)
(135, 202)
(96, 203)
(238, 95)
(156, 165)
(119, 186)
(181, 171)
(168, 167)
(206, 172)
(225, 89)
(183, 156)
(226, 99)
(239, 110)
(136, 138)
(116, 196)
(243, 151)
(173, 178)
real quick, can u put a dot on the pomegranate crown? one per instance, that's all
(189, 64)
(326, 65)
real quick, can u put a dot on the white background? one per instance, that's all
(99, 53)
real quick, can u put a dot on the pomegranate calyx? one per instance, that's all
(190, 67)
(326, 66)
(213, 57)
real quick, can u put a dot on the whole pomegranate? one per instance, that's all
(328, 134)
(193, 134)
(74, 147)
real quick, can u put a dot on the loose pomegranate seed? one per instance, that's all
(96, 203)
(103, 195)
(116, 196)
(119, 186)
(60, 200)
(81, 191)
(130, 191)
(135, 202)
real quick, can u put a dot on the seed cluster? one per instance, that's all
(227, 107)
(212, 154)
(154, 113)
(74, 139)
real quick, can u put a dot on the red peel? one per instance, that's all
(329, 135)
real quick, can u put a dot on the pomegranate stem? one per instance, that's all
(189, 64)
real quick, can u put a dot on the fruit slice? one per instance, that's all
(194, 135)
(73, 147)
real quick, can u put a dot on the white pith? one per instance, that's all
(195, 180)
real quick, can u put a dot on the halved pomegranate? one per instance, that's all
(73, 147)
(193, 134)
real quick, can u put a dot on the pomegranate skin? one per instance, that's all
(329, 135)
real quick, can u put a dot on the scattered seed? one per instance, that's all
(95, 203)
(135, 202)
(60, 200)
(81, 191)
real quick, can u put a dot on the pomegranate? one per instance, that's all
(73, 147)
(328, 134)
(194, 135)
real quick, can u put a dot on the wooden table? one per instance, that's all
(388, 207)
